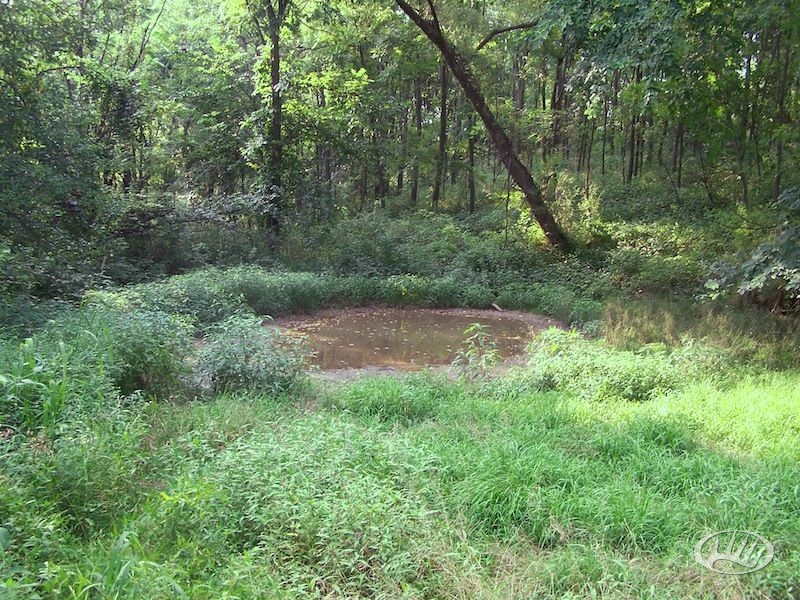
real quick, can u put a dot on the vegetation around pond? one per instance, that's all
(174, 175)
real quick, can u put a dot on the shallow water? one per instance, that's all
(406, 339)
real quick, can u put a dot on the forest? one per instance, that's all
(193, 192)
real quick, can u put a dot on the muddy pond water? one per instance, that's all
(407, 339)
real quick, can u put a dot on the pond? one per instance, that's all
(407, 339)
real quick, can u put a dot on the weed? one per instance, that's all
(240, 354)
(478, 355)
(564, 361)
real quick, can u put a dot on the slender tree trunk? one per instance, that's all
(783, 119)
(276, 125)
(414, 194)
(677, 152)
(442, 154)
(471, 164)
(498, 136)
(661, 140)
(362, 188)
(605, 138)
(588, 163)
(401, 171)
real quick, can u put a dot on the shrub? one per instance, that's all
(85, 360)
(771, 276)
(241, 354)
(565, 361)
(142, 350)
(89, 476)
(200, 296)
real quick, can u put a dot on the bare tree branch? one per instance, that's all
(148, 32)
(501, 30)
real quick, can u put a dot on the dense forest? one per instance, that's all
(140, 140)
(175, 175)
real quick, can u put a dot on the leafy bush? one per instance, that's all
(143, 350)
(85, 360)
(323, 503)
(43, 381)
(199, 296)
(90, 475)
(771, 276)
(241, 354)
(562, 360)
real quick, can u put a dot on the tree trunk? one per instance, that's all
(471, 164)
(413, 197)
(276, 156)
(442, 154)
(605, 138)
(588, 179)
(516, 169)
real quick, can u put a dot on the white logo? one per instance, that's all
(734, 552)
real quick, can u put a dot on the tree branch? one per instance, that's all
(252, 11)
(501, 30)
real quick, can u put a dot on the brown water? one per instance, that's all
(406, 339)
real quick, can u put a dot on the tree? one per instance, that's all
(269, 17)
(458, 65)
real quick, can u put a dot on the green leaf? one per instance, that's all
(5, 539)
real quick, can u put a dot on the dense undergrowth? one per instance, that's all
(591, 472)
(156, 441)
(417, 487)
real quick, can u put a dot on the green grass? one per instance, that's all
(414, 488)
(134, 464)
(758, 338)
(210, 295)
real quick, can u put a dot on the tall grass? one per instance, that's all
(417, 487)
(210, 295)
(85, 361)
(755, 337)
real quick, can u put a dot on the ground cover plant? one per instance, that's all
(137, 463)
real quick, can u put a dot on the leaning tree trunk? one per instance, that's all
(502, 143)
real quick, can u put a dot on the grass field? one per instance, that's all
(591, 472)
(413, 488)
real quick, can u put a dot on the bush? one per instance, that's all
(771, 276)
(85, 360)
(325, 504)
(562, 360)
(142, 350)
(241, 354)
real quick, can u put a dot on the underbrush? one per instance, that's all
(565, 361)
(209, 296)
(417, 487)
(97, 356)
(753, 337)
(240, 354)
(87, 360)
